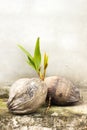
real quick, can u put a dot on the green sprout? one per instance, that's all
(35, 61)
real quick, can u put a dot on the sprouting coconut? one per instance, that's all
(27, 95)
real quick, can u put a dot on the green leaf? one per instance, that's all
(31, 63)
(25, 51)
(30, 60)
(37, 54)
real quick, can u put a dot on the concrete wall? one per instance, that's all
(62, 28)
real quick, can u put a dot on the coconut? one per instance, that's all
(61, 91)
(26, 95)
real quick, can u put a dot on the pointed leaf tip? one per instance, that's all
(45, 61)
(30, 60)
(37, 54)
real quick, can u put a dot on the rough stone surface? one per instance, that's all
(46, 122)
(57, 118)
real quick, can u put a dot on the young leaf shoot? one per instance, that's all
(35, 61)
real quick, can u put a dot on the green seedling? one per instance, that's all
(35, 61)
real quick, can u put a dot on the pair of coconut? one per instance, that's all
(27, 95)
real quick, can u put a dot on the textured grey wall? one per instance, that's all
(62, 28)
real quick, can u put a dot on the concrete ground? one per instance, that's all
(57, 118)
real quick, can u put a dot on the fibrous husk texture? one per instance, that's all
(62, 91)
(26, 95)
